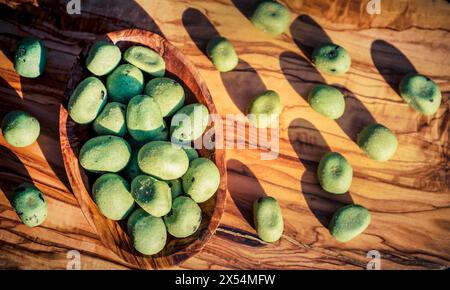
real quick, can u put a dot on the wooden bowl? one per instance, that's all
(72, 136)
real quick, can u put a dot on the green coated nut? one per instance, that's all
(112, 195)
(334, 173)
(331, 59)
(132, 169)
(146, 59)
(30, 58)
(271, 17)
(201, 180)
(168, 93)
(327, 101)
(112, 120)
(348, 222)
(185, 217)
(222, 54)
(105, 154)
(191, 153)
(29, 204)
(268, 219)
(20, 129)
(125, 82)
(421, 93)
(152, 195)
(378, 142)
(176, 187)
(102, 58)
(189, 123)
(144, 118)
(264, 109)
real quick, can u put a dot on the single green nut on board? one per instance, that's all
(105, 154)
(132, 169)
(111, 121)
(30, 57)
(102, 58)
(20, 129)
(421, 93)
(271, 16)
(146, 59)
(163, 160)
(185, 217)
(327, 101)
(222, 54)
(201, 180)
(176, 187)
(348, 222)
(144, 118)
(191, 153)
(168, 93)
(334, 173)
(112, 195)
(29, 204)
(87, 100)
(125, 82)
(378, 142)
(331, 59)
(268, 219)
(189, 123)
(152, 195)
(264, 109)
(148, 233)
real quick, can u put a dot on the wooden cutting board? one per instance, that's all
(409, 196)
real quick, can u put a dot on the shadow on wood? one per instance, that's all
(246, 7)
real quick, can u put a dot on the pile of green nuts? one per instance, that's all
(143, 161)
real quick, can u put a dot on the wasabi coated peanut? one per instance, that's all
(112, 195)
(20, 129)
(105, 154)
(132, 170)
(144, 119)
(334, 173)
(348, 222)
(378, 142)
(148, 233)
(111, 121)
(331, 59)
(264, 109)
(327, 101)
(29, 204)
(189, 123)
(222, 54)
(191, 153)
(125, 82)
(167, 93)
(163, 160)
(153, 195)
(421, 93)
(102, 58)
(87, 100)
(176, 187)
(271, 16)
(30, 57)
(146, 59)
(201, 180)
(185, 217)
(268, 219)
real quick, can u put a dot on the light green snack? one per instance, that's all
(102, 58)
(132, 170)
(111, 120)
(164, 134)
(189, 123)
(331, 59)
(29, 204)
(271, 17)
(201, 180)
(264, 109)
(348, 222)
(148, 233)
(185, 217)
(268, 219)
(167, 93)
(87, 100)
(30, 57)
(20, 129)
(222, 54)
(112, 195)
(105, 154)
(327, 101)
(176, 187)
(421, 93)
(125, 82)
(163, 160)
(144, 119)
(378, 142)
(152, 195)
(334, 173)
(146, 59)
(191, 153)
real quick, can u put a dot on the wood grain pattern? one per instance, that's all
(409, 196)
